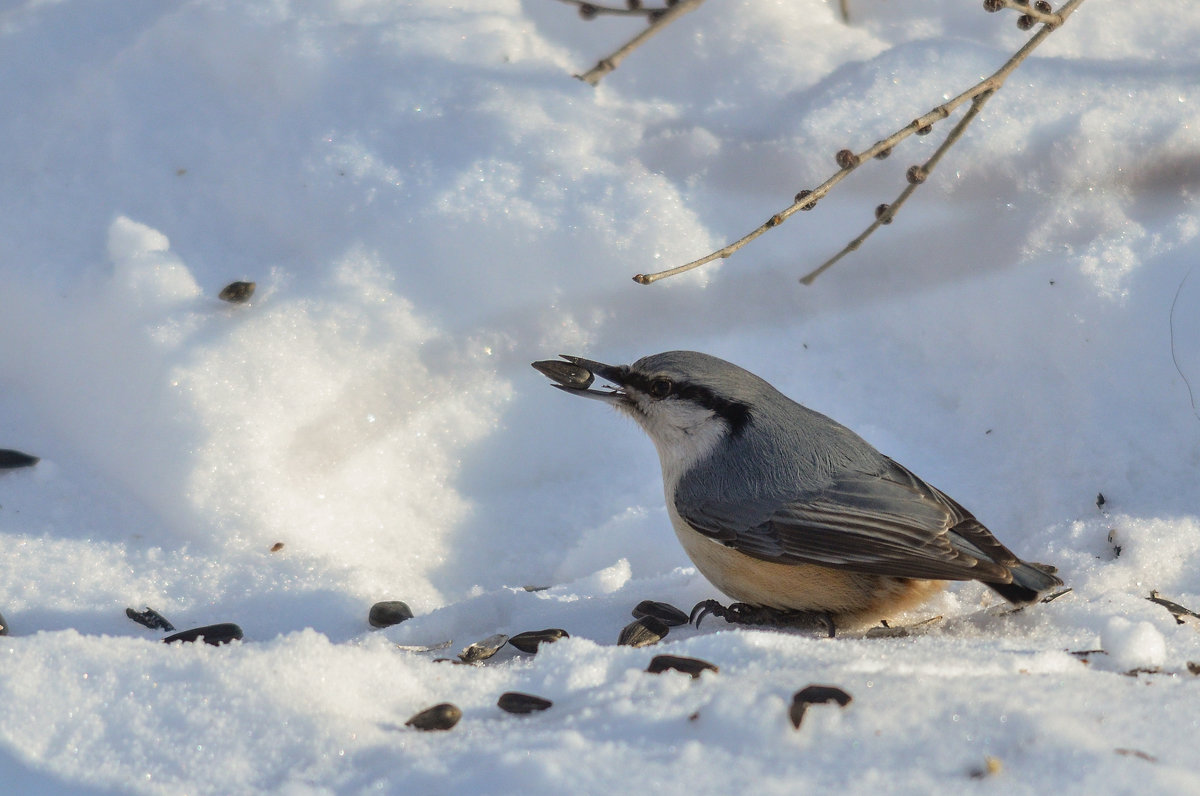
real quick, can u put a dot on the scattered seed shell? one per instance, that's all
(216, 635)
(643, 632)
(150, 618)
(516, 702)
(666, 613)
(388, 613)
(1177, 610)
(531, 639)
(815, 695)
(693, 666)
(482, 650)
(425, 647)
(11, 460)
(567, 374)
(275, 548)
(439, 717)
(4, 628)
(237, 292)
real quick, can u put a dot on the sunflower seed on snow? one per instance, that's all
(516, 702)
(643, 632)
(210, 634)
(439, 717)
(666, 613)
(3, 627)
(388, 613)
(815, 695)
(531, 639)
(482, 650)
(692, 666)
(237, 292)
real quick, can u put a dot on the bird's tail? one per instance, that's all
(1029, 581)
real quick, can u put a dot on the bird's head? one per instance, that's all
(686, 401)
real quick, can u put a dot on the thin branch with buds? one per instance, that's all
(977, 95)
(659, 19)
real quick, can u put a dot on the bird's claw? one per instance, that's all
(746, 614)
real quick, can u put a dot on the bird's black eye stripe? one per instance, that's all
(737, 415)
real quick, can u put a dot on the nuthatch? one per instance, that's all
(788, 511)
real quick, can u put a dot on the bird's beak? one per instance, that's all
(577, 374)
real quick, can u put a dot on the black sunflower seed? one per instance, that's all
(211, 634)
(565, 373)
(692, 666)
(237, 292)
(531, 639)
(516, 702)
(439, 717)
(643, 632)
(666, 613)
(388, 613)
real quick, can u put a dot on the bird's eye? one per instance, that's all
(661, 388)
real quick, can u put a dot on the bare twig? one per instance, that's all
(849, 161)
(659, 18)
(917, 175)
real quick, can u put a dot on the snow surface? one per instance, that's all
(428, 202)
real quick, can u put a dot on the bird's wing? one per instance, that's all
(889, 523)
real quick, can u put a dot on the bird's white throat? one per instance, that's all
(682, 447)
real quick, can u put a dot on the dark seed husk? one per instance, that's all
(3, 627)
(565, 373)
(482, 650)
(211, 634)
(530, 639)
(815, 695)
(438, 717)
(666, 613)
(10, 459)
(237, 292)
(516, 702)
(388, 613)
(150, 618)
(692, 666)
(643, 632)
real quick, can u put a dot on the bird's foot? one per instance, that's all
(746, 614)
